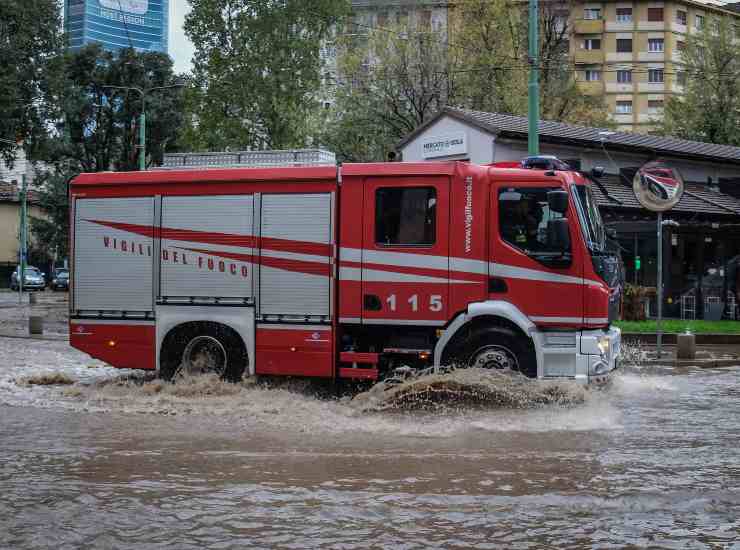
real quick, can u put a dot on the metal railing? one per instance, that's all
(297, 157)
(688, 307)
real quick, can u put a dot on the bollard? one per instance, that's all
(686, 346)
(32, 298)
(35, 324)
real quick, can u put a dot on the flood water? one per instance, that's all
(653, 461)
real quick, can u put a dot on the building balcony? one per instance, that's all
(651, 87)
(588, 26)
(595, 87)
(651, 56)
(589, 57)
(622, 118)
(614, 26)
(651, 25)
(647, 118)
(619, 56)
(619, 88)
(679, 28)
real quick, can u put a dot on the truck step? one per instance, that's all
(357, 357)
(358, 374)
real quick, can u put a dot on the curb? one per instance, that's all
(670, 338)
(700, 363)
(47, 337)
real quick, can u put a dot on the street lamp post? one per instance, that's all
(534, 83)
(142, 117)
(23, 234)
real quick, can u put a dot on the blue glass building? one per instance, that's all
(116, 24)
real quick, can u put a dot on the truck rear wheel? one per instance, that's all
(492, 347)
(202, 348)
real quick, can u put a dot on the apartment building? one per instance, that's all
(385, 15)
(631, 52)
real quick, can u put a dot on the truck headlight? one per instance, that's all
(603, 345)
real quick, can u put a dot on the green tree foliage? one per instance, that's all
(99, 124)
(709, 108)
(257, 68)
(30, 44)
(393, 79)
(491, 49)
(390, 82)
(51, 233)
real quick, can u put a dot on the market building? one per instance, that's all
(695, 251)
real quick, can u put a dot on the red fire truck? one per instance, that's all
(343, 272)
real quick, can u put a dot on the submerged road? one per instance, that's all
(654, 461)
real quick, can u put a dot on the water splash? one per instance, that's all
(470, 388)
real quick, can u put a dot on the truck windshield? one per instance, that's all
(593, 225)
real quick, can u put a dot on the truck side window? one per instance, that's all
(523, 218)
(406, 216)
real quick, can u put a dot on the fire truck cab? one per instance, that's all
(343, 272)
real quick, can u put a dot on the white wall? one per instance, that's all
(479, 144)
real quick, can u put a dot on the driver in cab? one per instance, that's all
(521, 220)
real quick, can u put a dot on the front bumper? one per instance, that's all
(587, 356)
(28, 285)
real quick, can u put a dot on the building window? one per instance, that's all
(655, 106)
(681, 17)
(624, 77)
(655, 14)
(624, 107)
(406, 216)
(624, 15)
(592, 44)
(680, 45)
(425, 20)
(624, 45)
(681, 78)
(592, 75)
(655, 75)
(699, 21)
(592, 13)
(715, 25)
(655, 45)
(524, 218)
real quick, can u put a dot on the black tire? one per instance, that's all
(188, 338)
(470, 347)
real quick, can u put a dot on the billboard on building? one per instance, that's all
(116, 24)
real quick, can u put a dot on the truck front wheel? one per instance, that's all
(202, 348)
(492, 348)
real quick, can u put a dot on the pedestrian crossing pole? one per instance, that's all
(534, 80)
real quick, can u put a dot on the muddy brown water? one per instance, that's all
(653, 461)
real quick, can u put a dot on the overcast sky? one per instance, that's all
(180, 47)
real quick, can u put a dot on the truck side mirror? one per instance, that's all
(558, 234)
(557, 201)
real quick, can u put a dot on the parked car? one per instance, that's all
(33, 279)
(60, 279)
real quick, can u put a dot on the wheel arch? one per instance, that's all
(488, 313)
(238, 319)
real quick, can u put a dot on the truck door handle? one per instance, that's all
(372, 303)
(497, 285)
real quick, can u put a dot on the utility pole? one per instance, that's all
(23, 234)
(142, 117)
(534, 79)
